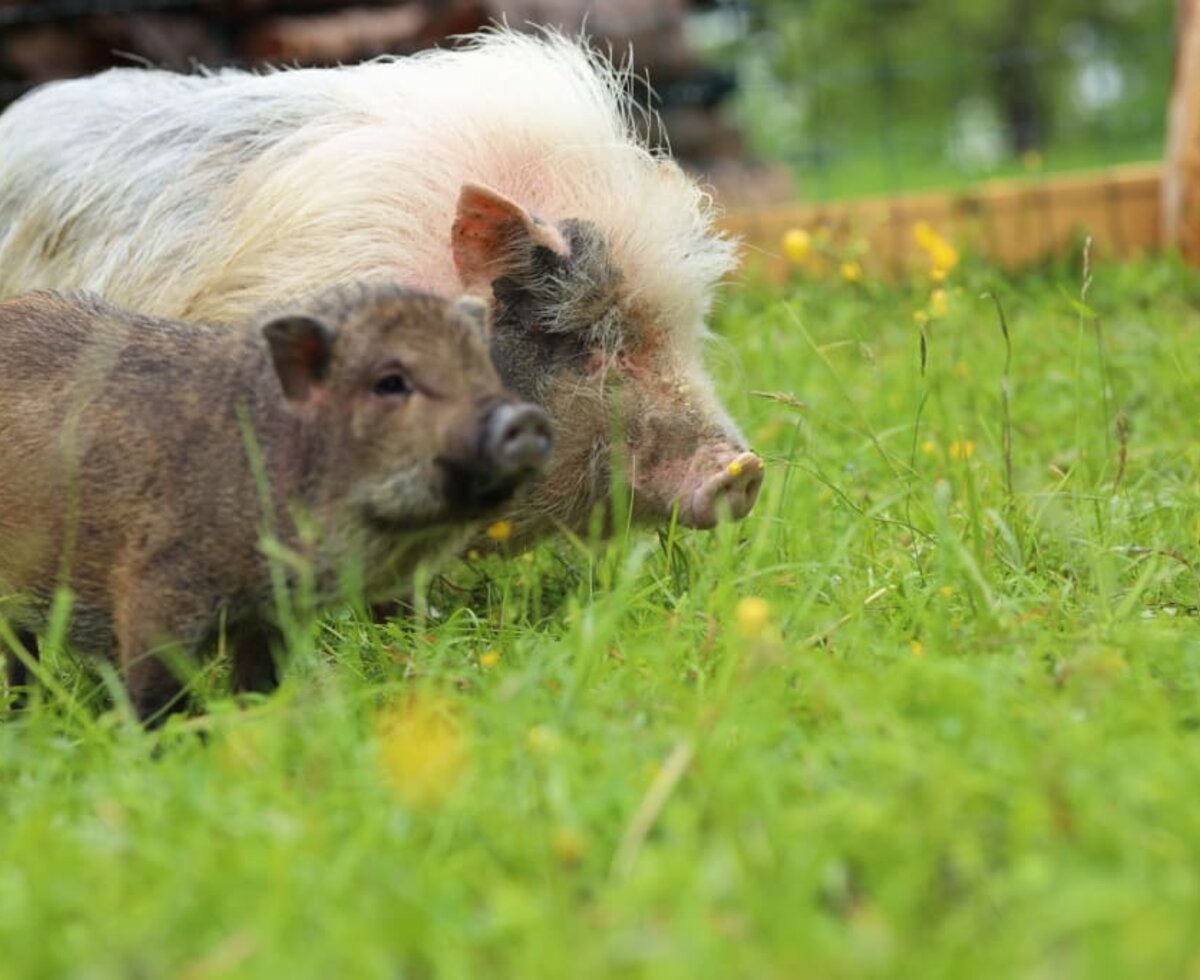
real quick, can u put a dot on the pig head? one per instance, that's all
(623, 383)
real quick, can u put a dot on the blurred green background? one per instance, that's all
(865, 96)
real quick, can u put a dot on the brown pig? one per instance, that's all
(510, 167)
(142, 461)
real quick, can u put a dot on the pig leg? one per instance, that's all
(154, 690)
(17, 674)
(150, 619)
(254, 669)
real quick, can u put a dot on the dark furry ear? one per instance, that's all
(475, 311)
(492, 232)
(301, 349)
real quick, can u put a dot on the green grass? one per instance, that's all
(966, 743)
(867, 172)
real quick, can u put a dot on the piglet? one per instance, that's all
(145, 463)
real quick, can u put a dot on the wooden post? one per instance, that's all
(1181, 174)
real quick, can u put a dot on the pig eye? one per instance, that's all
(392, 385)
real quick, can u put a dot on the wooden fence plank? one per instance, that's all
(1013, 222)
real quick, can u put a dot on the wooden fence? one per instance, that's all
(1013, 222)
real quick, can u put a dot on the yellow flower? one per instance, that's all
(752, 614)
(851, 271)
(943, 257)
(927, 447)
(917, 647)
(962, 369)
(939, 302)
(489, 659)
(920, 317)
(568, 846)
(734, 468)
(500, 531)
(924, 235)
(422, 749)
(797, 245)
(962, 449)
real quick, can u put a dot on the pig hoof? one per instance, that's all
(734, 491)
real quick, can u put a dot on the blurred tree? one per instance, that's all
(825, 76)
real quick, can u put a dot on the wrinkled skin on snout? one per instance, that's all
(623, 387)
(148, 461)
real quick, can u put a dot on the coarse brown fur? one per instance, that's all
(142, 461)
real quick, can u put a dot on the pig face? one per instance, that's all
(405, 408)
(567, 336)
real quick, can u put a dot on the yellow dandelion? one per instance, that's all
(927, 447)
(500, 531)
(797, 245)
(920, 317)
(851, 271)
(925, 236)
(917, 647)
(422, 749)
(752, 614)
(568, 846)
(489, 659)
(962, 449)
(734, 468)
(939, 302)
(944, 257)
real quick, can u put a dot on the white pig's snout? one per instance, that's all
(731, 490)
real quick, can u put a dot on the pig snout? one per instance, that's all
(517, 440)
(513, 444)
(719, 482)
(733, 487)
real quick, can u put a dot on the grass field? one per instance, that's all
(933, 710)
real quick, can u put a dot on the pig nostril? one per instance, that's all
(519, 436)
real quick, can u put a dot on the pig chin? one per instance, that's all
(720, 482)
(403, 503)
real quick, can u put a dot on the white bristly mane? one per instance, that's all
(209, 196)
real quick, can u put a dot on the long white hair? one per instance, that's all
(206, 196)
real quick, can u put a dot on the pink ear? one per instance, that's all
(490, 234)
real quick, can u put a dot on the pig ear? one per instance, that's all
(490, 234)
(301, 349)
(475, 311)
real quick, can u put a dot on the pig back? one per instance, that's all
(120, 442)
